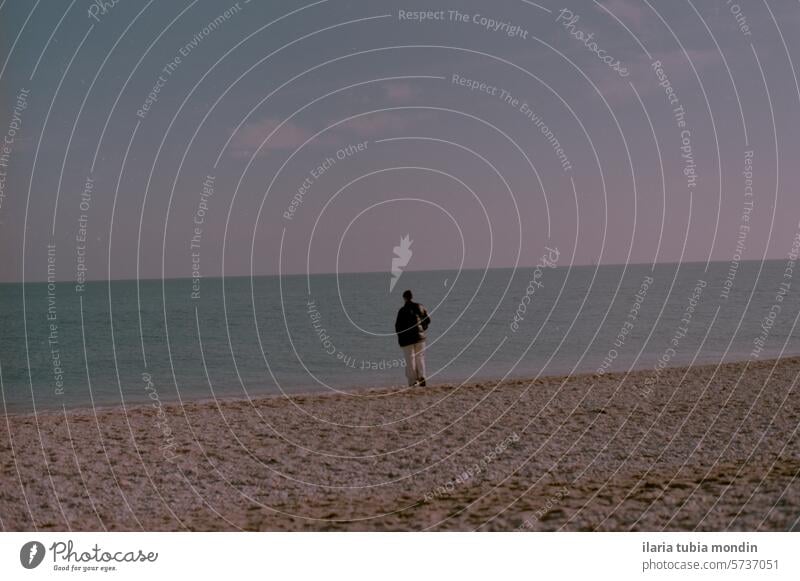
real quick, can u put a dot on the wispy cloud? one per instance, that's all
(628, 11)
(400, 93)
(675, 64)
(292, 135)
(251, 136)
(384, 124)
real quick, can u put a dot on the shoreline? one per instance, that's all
(713, 447)
(389, 391)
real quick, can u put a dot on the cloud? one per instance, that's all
(675, 65)
(400, 92)
(627, 11)
(380, 124)
(677, 60)
(290, 136)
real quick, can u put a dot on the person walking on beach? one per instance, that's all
(411, 324)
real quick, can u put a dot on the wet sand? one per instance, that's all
(705, 448)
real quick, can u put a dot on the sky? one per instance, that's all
(178, 138)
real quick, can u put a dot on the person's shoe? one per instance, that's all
(421, 382)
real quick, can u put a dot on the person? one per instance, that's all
(411, 325)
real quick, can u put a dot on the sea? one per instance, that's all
(113, 343)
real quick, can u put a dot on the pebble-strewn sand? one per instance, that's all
(707, 449)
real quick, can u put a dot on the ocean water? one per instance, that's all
(125, 342)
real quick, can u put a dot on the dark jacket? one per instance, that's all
(411, 324)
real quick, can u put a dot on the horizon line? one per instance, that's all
(596, 264)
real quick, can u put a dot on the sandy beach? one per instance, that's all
(705, 448)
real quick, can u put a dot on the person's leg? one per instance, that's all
(411, 369)
(419, 356)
